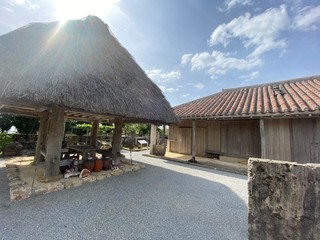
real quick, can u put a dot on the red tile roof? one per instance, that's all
(292, 97)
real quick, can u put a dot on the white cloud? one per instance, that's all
(25, 3)
(232, 3)
(308, 18)
(219, 63)
(7, 9)
(260, 32)
(185, 59)
(199, 86)
(18, 2)
(185, 95)
(169, 90)
(161, 76)
(250, 76)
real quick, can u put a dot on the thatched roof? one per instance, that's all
(79, 66)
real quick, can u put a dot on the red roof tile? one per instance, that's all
(291, 97)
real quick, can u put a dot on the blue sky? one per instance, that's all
(194, 48)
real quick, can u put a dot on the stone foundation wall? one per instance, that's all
(21, 190)
(284, 200)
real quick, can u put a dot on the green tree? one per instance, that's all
(70, 125)
(137, 128)
(4, 140)
(82, 128)
(5, 122)
(25, 125)
(105, 128)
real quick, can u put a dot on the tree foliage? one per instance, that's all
(84, 128)
(138, 128)
(25, 125)
(5, 122)
(4, 140)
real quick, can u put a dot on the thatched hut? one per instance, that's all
(77, 70)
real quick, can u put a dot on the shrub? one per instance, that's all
(4, 140)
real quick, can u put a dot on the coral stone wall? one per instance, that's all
(284, 200)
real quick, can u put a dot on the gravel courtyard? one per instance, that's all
(166, 200)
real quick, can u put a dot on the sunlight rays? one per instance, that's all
(73, 9)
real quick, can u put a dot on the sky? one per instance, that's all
(195, 48)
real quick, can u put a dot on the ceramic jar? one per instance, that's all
(98, 164)
(89, 164)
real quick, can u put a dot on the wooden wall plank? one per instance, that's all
(278, 139)
(232, 132)
(214, 136)
(185, 140)
(201, 141)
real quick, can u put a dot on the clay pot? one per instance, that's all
(89, 164)
(106, 163)
(98, 164)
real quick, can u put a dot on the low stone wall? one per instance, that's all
(20, 190)
(284, 200)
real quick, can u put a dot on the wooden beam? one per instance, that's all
(27, 113)
(116, 140)
(94, 133)
(193, 147)
(153, 137)
(263, 139)
(42, 135)
(54, 142)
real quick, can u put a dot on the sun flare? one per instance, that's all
(75, 9)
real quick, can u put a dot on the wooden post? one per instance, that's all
(263, 139)
(193, 147)
(116, 139)
(54, 142)
(316, 143)
(153, 137)
(42, 135)
(94, 133)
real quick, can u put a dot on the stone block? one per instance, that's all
(18, 193)
(117, 172)
(127, 168)
(13, 149)
(40, 190)
(89, 179)
(107, 173)
(16, 182)
(72, 182)
(101, 176)
(142, 166)
(11, 166)
(135, 167)
(284, 200)
(159, 150)
(12, 177)
(54, 186)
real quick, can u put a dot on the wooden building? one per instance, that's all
(279, 120)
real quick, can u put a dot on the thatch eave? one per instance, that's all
(80, 67)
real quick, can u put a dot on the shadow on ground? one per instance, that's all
(154, 203)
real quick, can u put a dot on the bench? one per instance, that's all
(213, 154)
